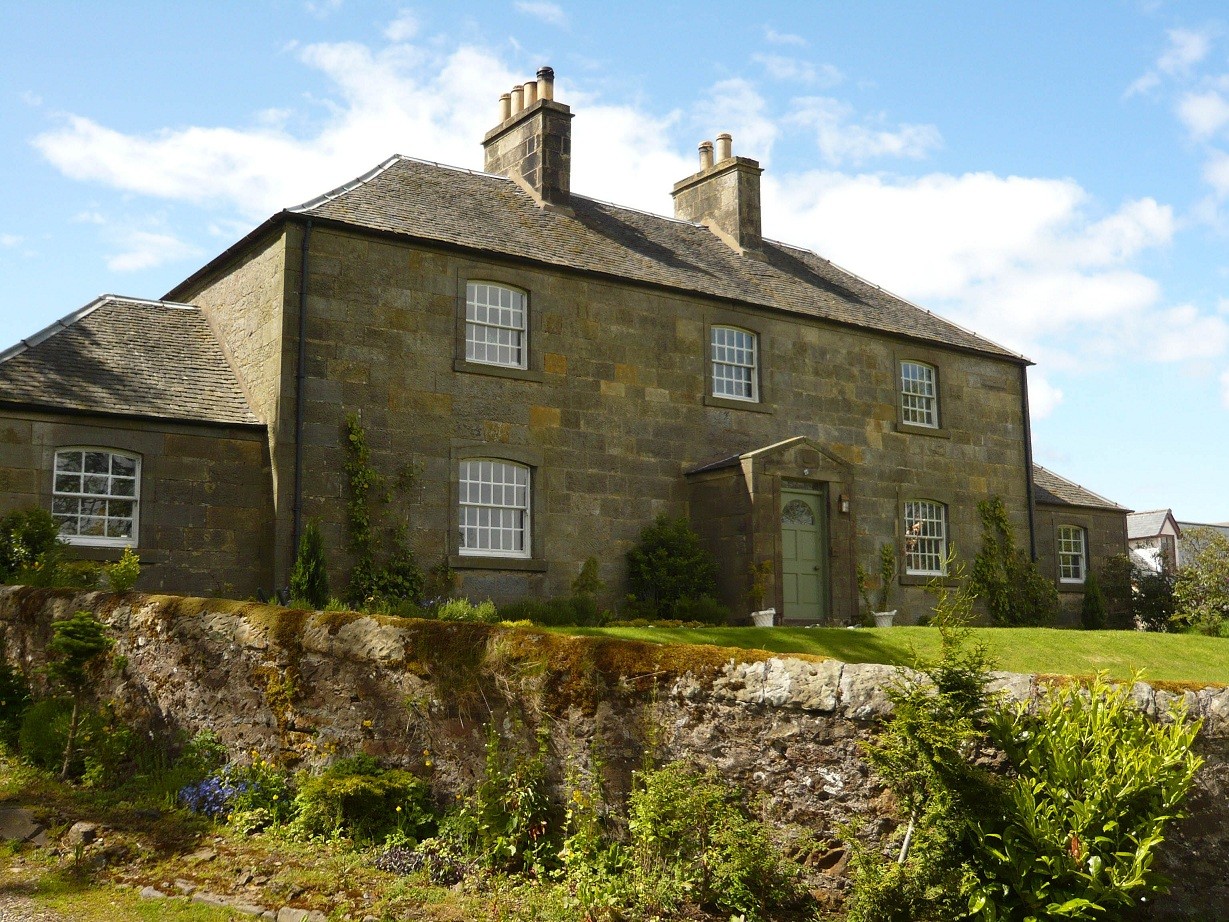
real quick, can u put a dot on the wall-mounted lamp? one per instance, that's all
(844, 502)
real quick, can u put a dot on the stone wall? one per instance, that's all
(303, 686)
(205, 521)
(1105, 532)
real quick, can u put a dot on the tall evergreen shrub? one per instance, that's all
(309, 580)
(1009, 582)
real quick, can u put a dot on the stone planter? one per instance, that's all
(884, 618)
(765, 618)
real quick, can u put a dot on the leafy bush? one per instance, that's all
(1201, 585)
(1154, 603)
(465, 610)
(14, 700)
(123, 574)
(691, 830)
(506, 822)
(1096, 783)
(669, 564)
(703, 610)
(1117, 585)
(43, 736)
(360, 798)
(309, 580)
(1069, 830)
(29, 547)
(1093, 607)
(1005, 578)
(76, 649)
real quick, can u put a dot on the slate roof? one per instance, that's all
(127, 357)
(1051, 489)
(1147, 524)
(493, 214)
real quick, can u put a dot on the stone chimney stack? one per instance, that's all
(724, 196)
(532, 144)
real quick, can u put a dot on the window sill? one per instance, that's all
(1071, 587)
(918, 579)
(497, 371)
(520, 564)
(910, 429)
(725, 403)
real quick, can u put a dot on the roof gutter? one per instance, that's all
(299, 377)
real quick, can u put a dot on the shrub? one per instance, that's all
(76, 648)
(43, 736)
(1096, 783)
(703, 609)
(309, 580)
(1201, 585)
(1154, 603)
(123, 574)
(579, 610)
(359, 798)
(1093, 607)
(691, 830)
(668, 564)
(14, 700)
(29, 546)
(1009, 582)
(1117, 577)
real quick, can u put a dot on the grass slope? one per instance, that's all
(1189, 659)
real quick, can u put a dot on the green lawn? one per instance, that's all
(1185, 658)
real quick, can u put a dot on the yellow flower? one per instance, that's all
(398, 808)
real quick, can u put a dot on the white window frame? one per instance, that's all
(1072, 544)
(919, 394)
(494, 502)
(110, 490)
(734, 353)
(925, 532)
(496, 324)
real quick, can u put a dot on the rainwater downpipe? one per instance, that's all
(299, 378)
(1028, 464)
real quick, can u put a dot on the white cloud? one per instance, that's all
(1043, 397)
(322, 9)
(10, 240)
(773, 37)
(797, 70)
(1216, 172)
(1185, 49)
(30, 98)
(1204, 114)
(145, 250)
(550, 13)
(736, 107)
(1184, 333)
(1224, 389)
(403, 28)
(841, 141)
(89, 217)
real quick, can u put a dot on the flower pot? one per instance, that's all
(765, 618)
(884, 618)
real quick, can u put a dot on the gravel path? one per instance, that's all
(16, 885)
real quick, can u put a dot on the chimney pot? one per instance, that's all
(531, 93)
(518, 98)
(505, 107)
(725, 145)
(706, 155)
(546, 83)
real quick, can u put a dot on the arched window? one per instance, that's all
(925, 538)
(495, 324)
(96, 493)
(735, 364)
(494, 515)
(1072, 554)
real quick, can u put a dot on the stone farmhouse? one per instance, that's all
(555, 371)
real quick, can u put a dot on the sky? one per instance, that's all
(1051, 175)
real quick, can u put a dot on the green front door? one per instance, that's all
(804, 555)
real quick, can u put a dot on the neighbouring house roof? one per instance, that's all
(492, 214)
(1149, 524)
(1051, 489)
(1222, 527)
(126, 357)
